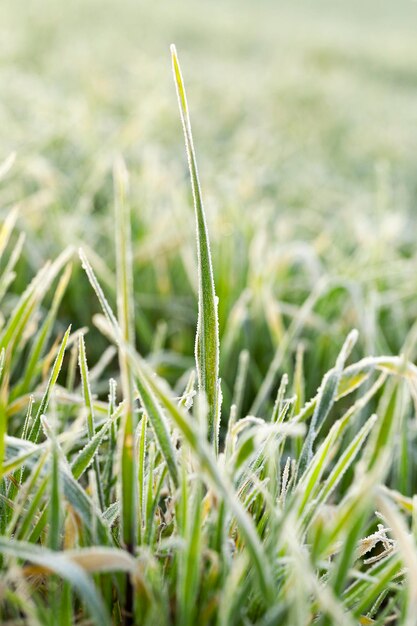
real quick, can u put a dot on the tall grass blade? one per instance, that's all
(207, 339)
(90, 413)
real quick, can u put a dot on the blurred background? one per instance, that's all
(305, 125)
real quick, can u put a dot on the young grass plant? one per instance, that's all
(130, 508)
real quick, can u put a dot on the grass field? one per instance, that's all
(269, 478)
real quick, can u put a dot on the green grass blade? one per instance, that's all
(207, 339)
(84, 506)
(159, 425)
(326, 397)
(43, 335)
(126, 445)
(34, 432)
(344, 462)
(86, 456)
(54, 508)
(141, 472)
(190, 557)
(82, 359)
(383, 439)
(109, 466)
(17, 461)
(32, 296)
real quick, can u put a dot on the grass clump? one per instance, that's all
(121, 503)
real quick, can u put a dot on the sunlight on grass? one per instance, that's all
(270, 478)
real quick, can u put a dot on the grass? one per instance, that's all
(271, 479)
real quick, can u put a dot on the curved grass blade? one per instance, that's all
(84, 506)
(309, 484)
(43, 335)
(31, 297)
(326, 398)
(155, 415)
(358, 373)
(65, 567)
(34, 432)
(159, 425)
(72, 490)
(344, 462)
(86, 456)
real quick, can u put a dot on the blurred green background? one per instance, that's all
(305, 125)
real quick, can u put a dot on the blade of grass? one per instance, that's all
(34, 431)
(82, 360)
(141, 473)
(43, 335)
(326, 398)
(7, 229)
(189, 558)
(54, 490)
(86, 456)
(125, 310)
(207, 339)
